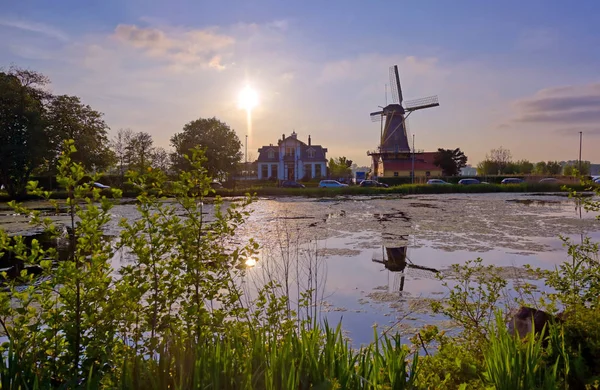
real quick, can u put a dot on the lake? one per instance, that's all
(373, 259)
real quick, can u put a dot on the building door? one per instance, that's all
(291, 172)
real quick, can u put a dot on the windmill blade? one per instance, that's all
(419, 104)
(395, 85)
(376, 116)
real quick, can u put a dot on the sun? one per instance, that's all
(248, 98)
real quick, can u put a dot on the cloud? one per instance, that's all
(39, 28)
(180, 47)
(564, 109)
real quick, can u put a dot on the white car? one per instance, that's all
(331, 183)
(100, 185)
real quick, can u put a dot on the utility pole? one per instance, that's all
(413, 160)
(580, 138)
(246, 158)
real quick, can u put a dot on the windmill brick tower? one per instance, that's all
(394, 156)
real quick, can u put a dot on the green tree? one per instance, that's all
(501, 157)
(541, 168)
(553, 168)
(139, 151)
(450, 160)
(487, 167)
(339, 167)
(23, 138)
(525, 167)
(221, 143)
(119, 147)
(69, 118)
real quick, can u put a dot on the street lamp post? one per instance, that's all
(246, 158)
(580, 138)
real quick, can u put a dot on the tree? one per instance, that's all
(525, 167)
(139, 151)
(23, 137)
(487, 167)
(119, 147)
(501, 157)
(160, 159)
(221, 143)
(340, 167)
(541, 168)
(553, 168)
(69, 118)
(450, 160)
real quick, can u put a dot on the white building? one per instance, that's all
(292, 159)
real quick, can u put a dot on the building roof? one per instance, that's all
(406, 165)
(319, 151)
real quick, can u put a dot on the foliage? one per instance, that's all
(23, 138)
(221, 144)
(473, 297)
(575, 169)
(450, 160)
(511, 364)
(547, 168)
(68, 118)
(339, 167)
(500, 157)
(452, 364)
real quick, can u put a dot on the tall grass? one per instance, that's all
(515, 364)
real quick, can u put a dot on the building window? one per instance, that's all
(307, 171)
(271, 154)
(264, 171)
(396, 174)
(290, 152)
(311, 153)
(318, 172)
(427, 173)
(274, 171)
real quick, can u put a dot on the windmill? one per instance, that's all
(393, 134)
(396, 261)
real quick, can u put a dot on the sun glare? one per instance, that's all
(248, 98)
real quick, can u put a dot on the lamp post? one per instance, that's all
(246, 158)
(580, 138)
(413, 160)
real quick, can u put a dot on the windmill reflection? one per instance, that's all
(396, 261)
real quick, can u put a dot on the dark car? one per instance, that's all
(372, 183)
(511, 180)
(216, 185)
(468, 181)
(291, 184)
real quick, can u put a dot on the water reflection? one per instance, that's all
(395, 260)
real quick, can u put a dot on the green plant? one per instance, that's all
(474, 295)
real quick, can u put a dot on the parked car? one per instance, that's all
(511, 180)
(331, 183)
(215, 184)
(372, 183)
(436, 181)
(100, 185)
(291, 184)
(468, 181)
(549, 180)
(597, 181)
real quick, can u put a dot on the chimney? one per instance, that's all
(309, 140)
(294, 134)
(283, 137)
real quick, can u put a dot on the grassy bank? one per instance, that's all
(313, 192)
(406, 189)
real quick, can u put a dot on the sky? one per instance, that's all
(523, 75)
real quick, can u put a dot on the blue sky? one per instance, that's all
(522, 75)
